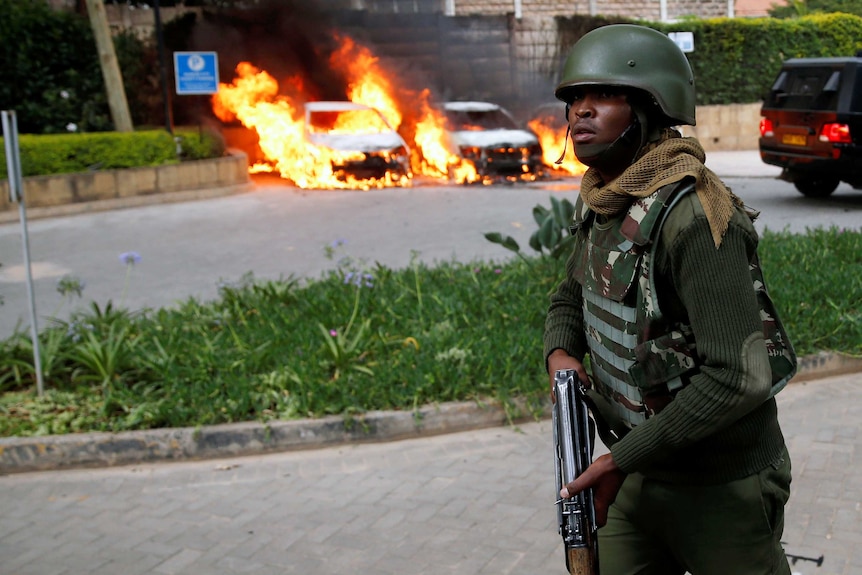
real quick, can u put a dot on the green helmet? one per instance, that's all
(637, 57)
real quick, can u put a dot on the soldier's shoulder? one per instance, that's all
(688, 211)
(682, 214)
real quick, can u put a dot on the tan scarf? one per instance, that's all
(664, 161)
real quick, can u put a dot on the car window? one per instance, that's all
(347, 121)
(475, 120)
(806, 89)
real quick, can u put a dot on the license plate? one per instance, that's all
(793, 139)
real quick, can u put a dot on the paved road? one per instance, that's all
(471, 503)
(468, 503)
(273, 231)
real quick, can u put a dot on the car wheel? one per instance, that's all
(816, 186)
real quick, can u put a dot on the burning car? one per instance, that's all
(488, 136)
(358, 143)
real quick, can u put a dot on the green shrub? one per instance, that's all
(199, 143)
(67, 153)
(795, 8)
(735, 60)
(49, 65)
(362, 337)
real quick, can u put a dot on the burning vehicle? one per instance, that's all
(487, 135)
(358, 142)
(350, 144)
(370, 131)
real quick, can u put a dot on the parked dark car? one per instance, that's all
(811, 124)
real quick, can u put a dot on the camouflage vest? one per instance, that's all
(639, 359)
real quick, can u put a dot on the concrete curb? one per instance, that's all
(36, 213)
(826, 364)
(79, 192)
(22, 454)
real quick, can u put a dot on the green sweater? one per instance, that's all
(722, 426)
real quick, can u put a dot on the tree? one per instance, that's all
(50, 69)
(108, 64)
(796, 8)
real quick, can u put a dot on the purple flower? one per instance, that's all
(498, 271)
(130, 258)
(358, 279)
(333, 333)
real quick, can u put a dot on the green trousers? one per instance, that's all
(657, 528)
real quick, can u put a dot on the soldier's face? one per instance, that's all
(597, 115)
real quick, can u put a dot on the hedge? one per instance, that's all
(67, 153)
(735, 60)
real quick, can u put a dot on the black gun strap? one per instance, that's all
(608, 435)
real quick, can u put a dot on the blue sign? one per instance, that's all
(196, 72)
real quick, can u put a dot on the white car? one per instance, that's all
(361, 142)
(487, 135)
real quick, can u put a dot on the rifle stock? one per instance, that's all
(573, 454)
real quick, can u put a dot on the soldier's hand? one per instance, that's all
(605, 478)
(558, 360)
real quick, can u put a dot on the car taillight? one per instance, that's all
(766, 128)
(835, 134)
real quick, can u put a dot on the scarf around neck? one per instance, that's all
(664, 161)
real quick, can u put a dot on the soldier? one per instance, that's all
(664, 314)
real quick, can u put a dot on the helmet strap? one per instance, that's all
(565, 142)
(618, 154)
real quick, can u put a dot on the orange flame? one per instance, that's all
(434, 158)
(253, 99)
(367, 82)
(552, 134)
(278, 121)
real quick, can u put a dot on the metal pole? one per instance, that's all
(16, 194)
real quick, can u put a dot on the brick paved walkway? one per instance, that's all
(470, 503)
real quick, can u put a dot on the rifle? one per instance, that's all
(573, 454)
(794, 558)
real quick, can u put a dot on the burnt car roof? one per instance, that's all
(374, 140)
(335, 106)
(471, 106)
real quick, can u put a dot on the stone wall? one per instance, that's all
(116, 188)
(726, 128)
(643, 9)
(482, 53)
